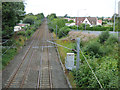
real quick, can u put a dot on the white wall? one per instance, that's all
(87, 21)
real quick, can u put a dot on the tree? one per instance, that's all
(40, 16)
(29, 19)
(66, 15)
(12, 13)
(71, 21)
(52, 16)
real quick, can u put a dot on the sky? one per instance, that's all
(73, 8)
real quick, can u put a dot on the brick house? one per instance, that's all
(92, 21)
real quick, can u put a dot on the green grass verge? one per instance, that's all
(9, 55)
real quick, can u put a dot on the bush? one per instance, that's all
(73, 27)
(21, 33)
(112, 39)
(104, 36)
(29, 19)
(63, 31)
(93, 48)
(28, 32)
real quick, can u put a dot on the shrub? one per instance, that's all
(104, 36)
(28, 32)
(63, 31)
(93, 48)
(21, 33)
(29, 19)
(73, 27)
(51, 29)
(104, 50)
(112, 39)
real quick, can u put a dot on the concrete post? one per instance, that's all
(78, 54)
(56, 30)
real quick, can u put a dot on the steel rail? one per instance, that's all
(27, 69)
(49, 68)
(23, 58)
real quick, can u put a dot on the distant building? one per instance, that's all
(23, 25)
(92, 21)
(70, 19)
(119, 8)
(17, 28)
(99, 22)
(109, 19)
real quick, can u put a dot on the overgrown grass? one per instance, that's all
(9, 55)
(19, 40)
(102, 57)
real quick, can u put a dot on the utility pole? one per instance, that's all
(56, 30)
(77, 23)
(77, 19)
(78, 53)
(114, 17)
(85, 25)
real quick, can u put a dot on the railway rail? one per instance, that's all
(14, 80)
(38, 65)
(45, 75)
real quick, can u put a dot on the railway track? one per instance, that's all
(45, 74)
(38, 66)
(18, 77)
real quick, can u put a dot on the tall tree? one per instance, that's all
(12, 13)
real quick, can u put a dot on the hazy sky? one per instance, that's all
(72, 7)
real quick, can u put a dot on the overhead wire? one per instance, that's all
(84, 58)
(8, 48)
(90, 68)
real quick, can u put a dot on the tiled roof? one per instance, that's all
(92, 20)
(100, 21)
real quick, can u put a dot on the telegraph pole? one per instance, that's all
(77, 19)
(114, 18)
(78, 53)
(56, 30)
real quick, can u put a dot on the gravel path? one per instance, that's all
(40, 68)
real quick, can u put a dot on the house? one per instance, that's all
(92, 21)
(23, 25)
(99, 22)
(70, 19)
(108, 19)
(17, 28)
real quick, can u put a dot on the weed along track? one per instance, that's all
(39, 66)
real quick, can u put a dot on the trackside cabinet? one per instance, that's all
(69, 62)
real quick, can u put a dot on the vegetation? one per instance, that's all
(59, 24)
(94, 28)
(13, 12)
(63, 31)
(102, 55)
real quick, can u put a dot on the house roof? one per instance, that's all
(22, 25)
(92, 20)
(100, 21)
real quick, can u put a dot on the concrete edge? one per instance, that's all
(63, 68)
